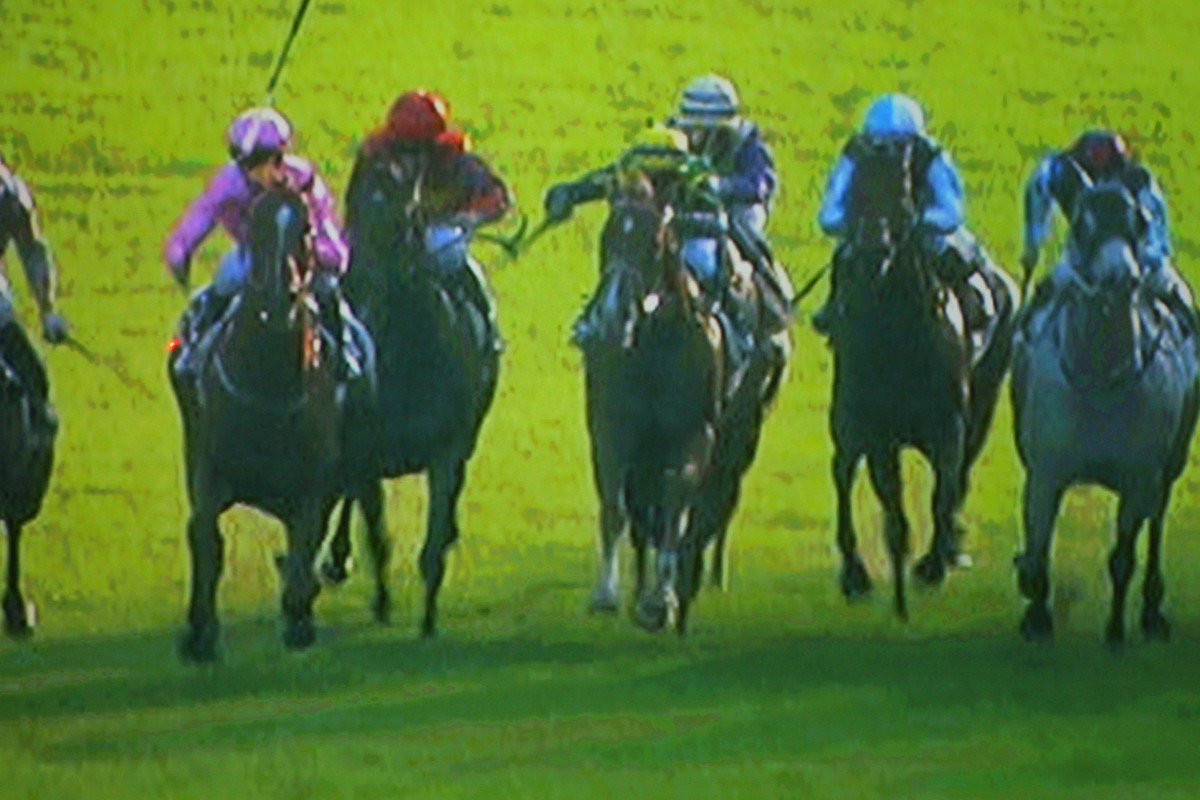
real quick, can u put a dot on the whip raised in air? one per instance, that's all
(287, 46)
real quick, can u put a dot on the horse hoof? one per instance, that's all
(19, 618)
(381, 608)
(603, 602)
(299, 634)
(198, 648)
(1155, 627)
(1114, 636)
(333, 573)
(930, 570)
(654, 614)
(1036, 625)
(17, 628)
(855, 582)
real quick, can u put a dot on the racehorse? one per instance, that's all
(28, 428)
(437, 368)
(655, 381)
(908, 371)
(1105, 391)
(262, 423)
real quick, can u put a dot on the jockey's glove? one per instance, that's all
(559, 203)
(55, 329)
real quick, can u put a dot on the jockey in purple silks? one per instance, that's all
(259, 140)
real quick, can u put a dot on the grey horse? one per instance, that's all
(1105, 389)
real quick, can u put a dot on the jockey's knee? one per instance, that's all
(702, 257)
(447, 248)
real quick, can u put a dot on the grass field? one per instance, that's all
(114, 113)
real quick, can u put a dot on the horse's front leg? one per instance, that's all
(371, 501)
(1121, 563)
(207, 549)
(613, 520)
(16, 621)
(947, 458)
(884, 467)
(854, 579)
(304, 529)
(446, 478)
(1155, 625)
(1043, 494)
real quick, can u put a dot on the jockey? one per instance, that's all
(259, 140)
(660, 156)
(869, 185)
(442, 191)
(710, 116)
(19, 224)
(1103, 156)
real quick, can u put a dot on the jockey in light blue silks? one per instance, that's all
(892, 173)
(1094, 158)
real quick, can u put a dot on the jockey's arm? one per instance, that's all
(753, 180)
(32, 249)
(1039, 204)
(198, 221)
(944, 212)
(832, 217)
(563, 197)
(332, 253)
(1156, 244)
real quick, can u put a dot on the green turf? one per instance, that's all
(114, 113)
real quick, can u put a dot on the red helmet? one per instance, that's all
(1101, 153)
(419, 116)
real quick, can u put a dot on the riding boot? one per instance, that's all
(823, 318)
(1043, 295)
(202, 314)
(471, 284)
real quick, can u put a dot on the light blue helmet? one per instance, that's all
(894, 115)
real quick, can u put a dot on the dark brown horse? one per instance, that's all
(27, 432)
(655, 384)
(437, 368)
(263, 424)
(909, 372)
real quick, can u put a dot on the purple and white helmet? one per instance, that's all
(258, 130)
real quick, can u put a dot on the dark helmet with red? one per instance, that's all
(1102, 153)
(418, 116)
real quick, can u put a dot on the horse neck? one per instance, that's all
(1100, 344)
(263, 347)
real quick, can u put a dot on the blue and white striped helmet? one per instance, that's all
(708, 100)
(894, 115)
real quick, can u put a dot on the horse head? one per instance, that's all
(641, 272)
(279, 252)
(883, 270)
(1101, 327)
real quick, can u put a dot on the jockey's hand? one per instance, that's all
(1029, 259)
(559, 203)
(55, 329)
(179, 271)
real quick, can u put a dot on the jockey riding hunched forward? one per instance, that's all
(893, 179)
(1061, 177)
(438, 188)
(258, 141)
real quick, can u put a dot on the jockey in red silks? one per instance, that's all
(259, 140)
(438, 189)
